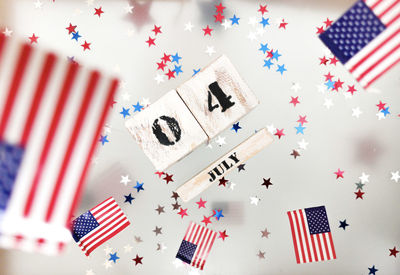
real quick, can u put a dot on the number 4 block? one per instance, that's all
(217, 96)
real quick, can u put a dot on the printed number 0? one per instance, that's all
(224, 101)
(173, 125)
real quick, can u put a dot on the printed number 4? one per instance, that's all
(224, 101)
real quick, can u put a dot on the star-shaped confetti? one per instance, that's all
(343, 224)
(279, 133)
(222, 235)
(34, 39)
(265, 233)
(395, 176)
(157, 230)
(98, 11)
(295, 154)
(267, 182)
(139, 186)
(218, 214)
(113, 257)
(254, 200)
(160, 209)
(236, 127)
(261, 255)
(168, 178)
(372, 270)
(359, 185)
(206, 220)
(207, 31)
(359, 194)
(125, 180)
(137, 260)
(129, 198)
(222, 181)
(103, 139)
(339, 174)
(294, 101)
(183, 212)
(201, 203)
(393, 252)
(174, 195)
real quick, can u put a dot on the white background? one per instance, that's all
(336, 140)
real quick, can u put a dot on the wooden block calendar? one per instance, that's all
(197, 111)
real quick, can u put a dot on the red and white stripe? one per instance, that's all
(112, 221)
(309, 248)
(204, 239)
(55, 109)
(382, 53)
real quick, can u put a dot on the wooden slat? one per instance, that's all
(227, 163)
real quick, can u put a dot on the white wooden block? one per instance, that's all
(166, 130)
(217, 96)
(224, 165)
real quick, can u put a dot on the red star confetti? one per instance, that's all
(219, 17)
(320, 30)
(183, 212)
(328, 22)
(159, 173)
(381, 105)
(206, 220)
(170, 74)
(156, 30)
(302, 120)
(98, 11)
(220, 8)
(222, 235)
(393, 252)
(359, 194)
(270, 53)
(333, 60)
(161, 65)
(207, 30)
(338, 84)
(279, 133)
(168, 178)
(294, 101)
(351, 89)
(86, 46)
(150, 41)
(323, 60)
(339, 174)
(263, 9)
(166, 58)
(201, 203)
(71, 28)
(283, 24)
(137, 260)
(33, 38)
(328, 76)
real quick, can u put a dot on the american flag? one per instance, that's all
(366, 39)
(312, 237)
(98, 225)
(196, 245)
(51, 115)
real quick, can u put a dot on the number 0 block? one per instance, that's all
(166, 130)
(217, 96)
